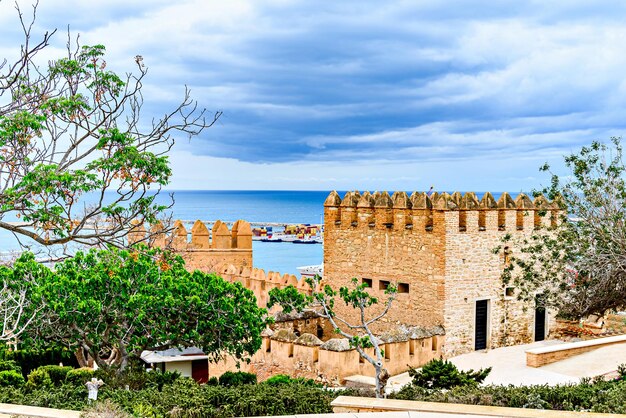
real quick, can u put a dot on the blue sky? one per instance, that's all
(397, 95)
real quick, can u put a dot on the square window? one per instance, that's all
(383, 285)
(403, 288)
(367, 282)
(509, 292)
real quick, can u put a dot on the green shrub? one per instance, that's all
(29, 360)
(11, 378)
(279, 379)
(213, 381)
(441, 374)
(78, 377)
(57, 373)
(237, 378)
(7, 365)
(38, 378)
(283, 379)
(135, 377)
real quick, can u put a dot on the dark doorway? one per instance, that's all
(200, 371)
(540, 319)
(480, 338)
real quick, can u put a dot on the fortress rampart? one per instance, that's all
(439, 250)
(332, 361)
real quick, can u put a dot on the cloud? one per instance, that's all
(363, 82)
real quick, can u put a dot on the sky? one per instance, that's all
(369, 95)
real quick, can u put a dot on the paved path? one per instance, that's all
(509, 365)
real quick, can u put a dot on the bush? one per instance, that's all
(283, 379)
(135, 377)
(57, 373)
(10, 365)
(237, 378)
(441, 374)
(78, 377)
(38, 378)
(279, 379)
(29, 360)
(11, 378)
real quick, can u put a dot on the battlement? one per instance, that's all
(199, 238)
(454, 212)
(258, 281)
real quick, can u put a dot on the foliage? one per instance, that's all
(357, 297)
(106, 409)
(78, 161)
(135, 377)
(578, 263)
(184, 398)
(11, 378)
(283, 379)
(442, 374)
(114, 304)
(57, 374)
(10, 365)
(80, 376)
(38, 378)
(596, 396)
(32, 358)
(237, 378)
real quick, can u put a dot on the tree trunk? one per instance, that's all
(383, 377)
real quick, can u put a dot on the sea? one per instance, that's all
(285, 207)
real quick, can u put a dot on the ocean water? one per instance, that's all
(287, 207)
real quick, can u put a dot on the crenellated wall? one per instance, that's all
(330, 366)
(258, 281)
(203, 249)
(439, 250)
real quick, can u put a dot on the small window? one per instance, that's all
(509, 292)
(387, 352)
(433, 340)
(383, 285)
(268, 347)
(290, 350)
(411, 347)
(361, 359)
(367, 282)
(403, 288)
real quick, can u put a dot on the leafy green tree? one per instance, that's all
(579, 263)
(78, 160)
(358, 334)
(114, 304)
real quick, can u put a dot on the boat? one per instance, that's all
(311, 271)
(308, 240)
(271, 239)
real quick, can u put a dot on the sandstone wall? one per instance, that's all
(327, 366)
(202, 249)
(371, 238)
(442, 247)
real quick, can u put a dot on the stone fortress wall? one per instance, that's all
(331, 361)
(438, 249)
(226, 252)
